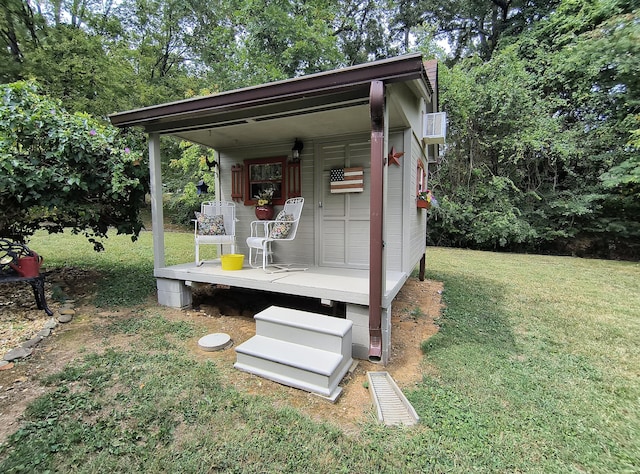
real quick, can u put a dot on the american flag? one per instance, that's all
(347, 180)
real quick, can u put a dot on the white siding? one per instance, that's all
(417, 217)
(300, 250)
(343, 221)
(393, 219)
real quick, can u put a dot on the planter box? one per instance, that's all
(423, 204)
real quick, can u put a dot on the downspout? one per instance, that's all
(376, 245)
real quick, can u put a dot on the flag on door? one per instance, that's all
(347, 180)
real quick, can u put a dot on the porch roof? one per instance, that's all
(332, 101)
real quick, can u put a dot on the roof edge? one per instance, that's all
(398, 69)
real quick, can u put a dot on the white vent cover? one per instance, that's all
(434, 127)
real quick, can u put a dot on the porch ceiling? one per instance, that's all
(303, 125)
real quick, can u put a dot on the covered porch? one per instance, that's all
(327, 284)
(331, 286)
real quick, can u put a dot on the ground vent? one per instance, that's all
(392, 406)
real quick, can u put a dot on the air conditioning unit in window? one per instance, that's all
(434, 127)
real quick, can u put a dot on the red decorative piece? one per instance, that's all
(293, 179)
(394, 157)
(264, 213)
(236, 182)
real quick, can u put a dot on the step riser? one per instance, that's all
(306, 337)
(308, 351)
(307, 380)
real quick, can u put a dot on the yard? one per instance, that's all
(534, 368)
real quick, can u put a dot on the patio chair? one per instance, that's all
(282, 229)
(215, 224)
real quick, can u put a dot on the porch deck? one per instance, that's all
(336, 284)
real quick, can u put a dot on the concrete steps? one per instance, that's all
(304, 350)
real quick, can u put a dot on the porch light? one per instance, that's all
(297, 148)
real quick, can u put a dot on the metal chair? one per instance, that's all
(216, 225)
(282, 229)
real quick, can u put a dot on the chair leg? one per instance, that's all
(252, 264)
(197, 255)
(267, 255)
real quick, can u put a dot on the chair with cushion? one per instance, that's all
(282, 229)
(215, 224)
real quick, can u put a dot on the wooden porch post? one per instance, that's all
(376, 245)
(157, 217)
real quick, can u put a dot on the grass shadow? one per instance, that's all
(473, 313)
(125, 285)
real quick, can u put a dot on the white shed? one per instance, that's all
(358, 247)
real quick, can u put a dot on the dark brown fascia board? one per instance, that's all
(260, 112)
(403, 68)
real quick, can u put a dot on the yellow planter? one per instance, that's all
(232, 261)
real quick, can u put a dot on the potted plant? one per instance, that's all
(264, 204)
(426, 200)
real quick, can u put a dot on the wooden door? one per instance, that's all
(343, 230)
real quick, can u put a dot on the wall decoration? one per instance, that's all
(236, 182)
(347, 180)
(394, 156)
(294, 180)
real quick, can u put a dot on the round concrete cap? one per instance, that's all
(214, 342)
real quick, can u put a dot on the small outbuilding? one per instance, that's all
(358, 242)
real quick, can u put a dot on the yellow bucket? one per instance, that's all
(232, 261)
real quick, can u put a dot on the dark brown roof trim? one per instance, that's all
(403, 68)
(256, 112)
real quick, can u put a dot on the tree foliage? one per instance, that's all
(65, 170)
(554, 111)
(541, 95)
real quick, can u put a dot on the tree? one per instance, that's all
(18, 27)
(61, 170)
(554, 111)
(476, 26)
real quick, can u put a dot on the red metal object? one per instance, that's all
(28, 267)
(376, 104)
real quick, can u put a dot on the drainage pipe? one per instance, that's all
(376, 244)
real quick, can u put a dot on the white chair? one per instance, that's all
(282, 229)
(215, 224)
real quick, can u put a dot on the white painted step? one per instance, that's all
(309, 329)
(292, 364)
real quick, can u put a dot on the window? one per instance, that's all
(421, 178)
(264, 174)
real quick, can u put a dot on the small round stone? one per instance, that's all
(65, 318)
(214, 342)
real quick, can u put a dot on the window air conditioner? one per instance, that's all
(434, 127)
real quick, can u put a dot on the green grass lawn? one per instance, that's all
(536, 368)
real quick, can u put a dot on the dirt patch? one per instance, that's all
(413, 314)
